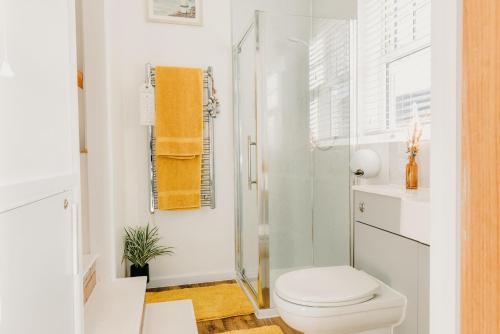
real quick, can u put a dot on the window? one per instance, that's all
(329, 82)
(394, 65)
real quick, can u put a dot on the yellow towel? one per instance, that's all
(178, 183)
(179, 137)
(210, 302)
(179, 111)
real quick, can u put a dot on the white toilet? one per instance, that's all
(337, 300)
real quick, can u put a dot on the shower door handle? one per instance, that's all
(250, 143)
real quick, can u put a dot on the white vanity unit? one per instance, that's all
(391, 242)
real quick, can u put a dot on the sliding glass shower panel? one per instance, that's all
(331, 58)
(284, 53)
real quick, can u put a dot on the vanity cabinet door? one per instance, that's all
(423, 288)
(395, 261)
(377, 210)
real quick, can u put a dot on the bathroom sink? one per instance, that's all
(414, 213)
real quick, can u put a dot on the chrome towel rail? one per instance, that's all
(210, 110)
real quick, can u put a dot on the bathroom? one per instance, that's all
(338, 174)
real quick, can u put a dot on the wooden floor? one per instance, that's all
(234, 323)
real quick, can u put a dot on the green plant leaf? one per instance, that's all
(141, 245)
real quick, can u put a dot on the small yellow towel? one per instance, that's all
(179, 111)
(179, 137)
(178, 183)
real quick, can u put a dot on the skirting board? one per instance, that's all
(158, 282)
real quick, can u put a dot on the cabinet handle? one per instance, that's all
(362, 206)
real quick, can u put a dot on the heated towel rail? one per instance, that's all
(210, 111)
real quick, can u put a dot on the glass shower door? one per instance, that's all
(284, 43)
(246, 164)
(292, 111)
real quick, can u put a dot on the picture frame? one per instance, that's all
(176, 11)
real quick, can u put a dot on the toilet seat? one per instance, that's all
(326, 287)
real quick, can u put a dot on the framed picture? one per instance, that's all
(175, 11)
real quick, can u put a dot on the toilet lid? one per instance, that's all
(326, 287)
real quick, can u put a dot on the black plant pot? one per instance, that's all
(136, 271)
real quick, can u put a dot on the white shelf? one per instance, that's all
(170, 318)
(116, 307)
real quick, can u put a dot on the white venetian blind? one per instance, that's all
(329, 82)
(394, 64)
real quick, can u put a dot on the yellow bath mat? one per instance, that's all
(259, 330)
(211, 302)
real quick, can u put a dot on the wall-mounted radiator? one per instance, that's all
(210, 111)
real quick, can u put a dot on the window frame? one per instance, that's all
(391, 133)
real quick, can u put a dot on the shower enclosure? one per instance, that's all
(293, 102)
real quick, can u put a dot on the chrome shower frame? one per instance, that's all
(261, 294)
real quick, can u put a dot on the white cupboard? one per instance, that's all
(401, 263)
(39, 171)
(37, 254)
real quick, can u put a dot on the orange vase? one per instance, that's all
(411, 173)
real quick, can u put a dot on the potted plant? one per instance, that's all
(141, 246)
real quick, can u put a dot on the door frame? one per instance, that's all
(445, 167)
(480, 230)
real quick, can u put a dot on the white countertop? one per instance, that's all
(415, 209)
(421, 194)
(116, 307)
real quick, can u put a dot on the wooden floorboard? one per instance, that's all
(241, 322)
(233, 323)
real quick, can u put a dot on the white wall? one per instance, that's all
(203, 239)
(83, 129)
(340, 9)
(101, 158)
(243, 11)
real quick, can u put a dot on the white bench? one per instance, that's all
(170, 318)
(116, 307)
